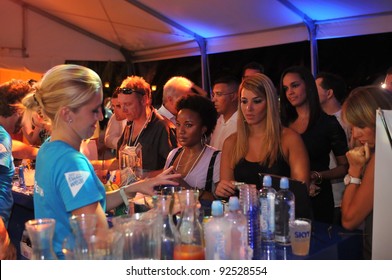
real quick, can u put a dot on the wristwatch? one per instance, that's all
(348, 179)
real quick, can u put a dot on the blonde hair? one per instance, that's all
(138, 84)
(65, 85)
(262, 86)
(361, 105)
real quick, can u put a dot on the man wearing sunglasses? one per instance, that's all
(145, 127)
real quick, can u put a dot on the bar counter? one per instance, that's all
(328, 242)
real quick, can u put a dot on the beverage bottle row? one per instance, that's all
(277, 209)
(225, 234)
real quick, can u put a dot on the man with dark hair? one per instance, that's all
(332, 90)
(116, 124)
(12, 92)
(335, 90)
(252, 68)
(225, 98)
(11, 112)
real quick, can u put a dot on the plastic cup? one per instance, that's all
(300, 232)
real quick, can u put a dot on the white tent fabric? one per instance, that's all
(37, 34)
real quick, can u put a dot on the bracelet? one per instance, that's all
(319, 178)
(124, 196)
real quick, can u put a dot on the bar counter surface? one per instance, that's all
(328, 242)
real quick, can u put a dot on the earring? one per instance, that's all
(203, 139)
(70, 121)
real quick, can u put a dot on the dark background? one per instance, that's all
(359, 60)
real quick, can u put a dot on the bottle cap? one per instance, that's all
(217, 208)
(234, 203)
(267, 181)
(284, 183)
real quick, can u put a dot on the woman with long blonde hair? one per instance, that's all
(261, 144)
(65, 181)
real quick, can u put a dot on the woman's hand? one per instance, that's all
(357, 158)
(225, 189)
(166, 177)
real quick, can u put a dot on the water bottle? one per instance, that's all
(267, 210)
(284, 212)
(250, 207)
(238, 231)
(22, 182)
(216, 234)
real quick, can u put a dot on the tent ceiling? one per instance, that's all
(50, 31)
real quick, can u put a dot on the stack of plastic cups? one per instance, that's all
(249, 202)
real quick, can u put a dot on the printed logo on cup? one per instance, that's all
(302, 234)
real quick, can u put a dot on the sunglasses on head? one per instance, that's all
(128, 91)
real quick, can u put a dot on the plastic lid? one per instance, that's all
(284, 183)
(234, 203)
(267, 181)
(217, 208)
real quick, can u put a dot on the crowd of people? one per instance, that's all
(307, 128)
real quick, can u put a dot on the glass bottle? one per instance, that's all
(168, 230)
(41, 233)
(190, 244)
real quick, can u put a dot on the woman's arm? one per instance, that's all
(21, 150)
(94, 208)
(339, 146)
(146, 186)
(297, 155)
(357, 201)
(225, 187)
(338, 172)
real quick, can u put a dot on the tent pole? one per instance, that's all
(204, 63)
(312, 29)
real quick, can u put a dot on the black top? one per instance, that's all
(248, 172)
(253, 173)
(325, 135)
(158, 138)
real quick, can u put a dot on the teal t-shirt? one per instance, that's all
(64, 181)
(6, 173)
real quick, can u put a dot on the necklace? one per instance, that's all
(194, 163)
(144, 126)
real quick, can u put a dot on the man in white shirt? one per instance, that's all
(174, 89)
(332, 91)
(116, 124)
(225, 98)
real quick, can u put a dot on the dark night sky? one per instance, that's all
(360, 60)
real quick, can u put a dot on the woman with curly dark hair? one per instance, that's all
(197, 162)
